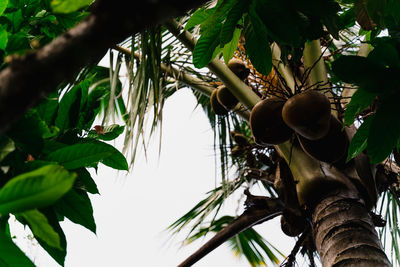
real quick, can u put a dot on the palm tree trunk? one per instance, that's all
(344, 233)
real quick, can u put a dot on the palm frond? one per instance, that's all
(389, 208)
(206, 207)
(248, 243)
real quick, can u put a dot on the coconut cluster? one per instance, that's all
(307, 115)
(222, 100)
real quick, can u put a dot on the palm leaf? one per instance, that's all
(248, 243)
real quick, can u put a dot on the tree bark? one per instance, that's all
(344, 232)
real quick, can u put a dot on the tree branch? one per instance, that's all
(260, 210)
(31, 77)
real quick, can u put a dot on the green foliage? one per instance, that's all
(35, 189)
(68, 6)
(287, 23)
(377, 78)
(40, 227)
(10, 254)
(41, 182)
(76, 206)
(248, 243)
(88, 154)
(257, 45)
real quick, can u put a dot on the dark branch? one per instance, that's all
(31, 77)
(260, 210)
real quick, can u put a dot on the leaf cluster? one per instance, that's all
(262, 22)
(44, 164)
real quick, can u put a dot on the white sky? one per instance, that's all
(133, 210)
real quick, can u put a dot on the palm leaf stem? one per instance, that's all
(249, 218)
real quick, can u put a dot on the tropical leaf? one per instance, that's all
(68, 6)
(207, 206)
(234, 15)
(35, 189)
(205, 46)
(40, 227)
(248, 243)
(87, 154)
(257, 44)
(359, 101)
(360, 140)
(76, 206)
(11, 255)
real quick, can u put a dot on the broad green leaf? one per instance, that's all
(215, 19)
(11, 255)
(359, 101)
(48, 108)
(234, 15)
(199, 17)
(41, 228)
(364, 72)
(35, 189)
(29, 131)
(87, 154)
(281, 21)
(360, 139)
(3, 38)
(385, 53)
(3, 6)
(70, 105)
(257, 44)
(68, 6)
(86, 181)
(6, 146)
(385, 129)
(205, 46)
(109, 132)
(230, 47)
(57, 254)
(76, 206)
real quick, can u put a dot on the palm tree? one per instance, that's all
(323, 186)
(327, 203)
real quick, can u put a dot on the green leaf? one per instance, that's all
(68, 6)
(87, 154)
(3, 38)
(3, 6)
(257, 44)
(35, 189)
(385, 53)
(6, 146)
(360, 71)
(234, 15)
(41, 228)
(57, 254)
(280, 20)
(360, 139)
(70, 105)
(29, 131)
(11, 255)
(385, 129)
(88, 183)
(76, 206)
(215, 19)
(230, 47)
(109, 132)
(205, 46)
(199, 17)
(48, 108)
(359, 101)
